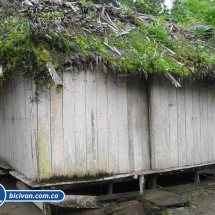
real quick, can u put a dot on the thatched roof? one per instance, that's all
(71, 34)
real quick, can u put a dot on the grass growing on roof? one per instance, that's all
(144, 49)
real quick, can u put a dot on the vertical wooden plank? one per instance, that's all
(173, 124)
(213, 126)
(130, 124)
(1, 129)
(144, 116)
(154, 104)
(9, 123)
(80, 122)
(102, 121)
(196, 124)
(182, 149)
(136, 120)
(123, 124)
(7, 129)
(33, 131)
(14, 145)
(27, 126)
(2, 124)
(204, 134)
(44, 135)
(69, 122)
(113, 122)
(164, 125)
(210, 122)
(5, 119)
(57, 132)
(20, 120)
(91, 123)
(16, 125)
(189, 122)
(17, 147)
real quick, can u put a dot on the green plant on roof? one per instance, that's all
(144, 48)
(51, 15)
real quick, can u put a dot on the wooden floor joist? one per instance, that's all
(3, 165)
(34, 184)
(108, 179)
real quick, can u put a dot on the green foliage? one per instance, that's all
(82, 43)
(143, 49)
(19, 48)
(179, 12)
(145, 6)
(51, 15)
(189, 12)
(192, 11)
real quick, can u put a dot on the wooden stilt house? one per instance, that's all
(126, 101)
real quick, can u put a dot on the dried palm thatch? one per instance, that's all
(75, 34)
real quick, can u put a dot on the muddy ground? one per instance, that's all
(202, 202)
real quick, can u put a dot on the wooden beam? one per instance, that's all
(24, 179)
(78, 201)
(127, 195)
(141, 184)
(114, 178)
(54, 75)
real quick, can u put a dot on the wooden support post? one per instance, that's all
(4, 172)
(110, 188)
(196, 176)
(46, 209)
(1, 76)
(153, 182)
(1, 71)
(142, 184)
(21, 186)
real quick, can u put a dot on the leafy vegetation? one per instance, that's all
(189, 12)
(144, 49)
(153, 7)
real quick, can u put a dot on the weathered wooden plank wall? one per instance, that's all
(97, 125)
(17, 123)
(182, 123)
(103, 117)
